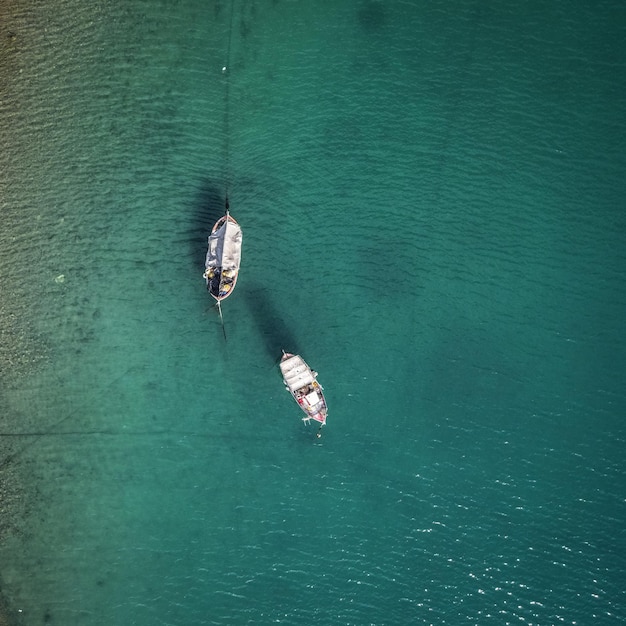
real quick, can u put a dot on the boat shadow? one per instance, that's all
(272, 327)
(207, 207)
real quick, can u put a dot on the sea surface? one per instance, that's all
(432, 197)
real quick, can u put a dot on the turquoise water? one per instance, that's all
(432, 203)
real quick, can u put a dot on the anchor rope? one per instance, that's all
(226, 73)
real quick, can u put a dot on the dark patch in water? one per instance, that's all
(372, 16)
(247, 18)
(208, 207)
(276, 334)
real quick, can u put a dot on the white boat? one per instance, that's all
(301, 381)
(223, 257)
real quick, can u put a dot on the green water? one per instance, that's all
(432, 202)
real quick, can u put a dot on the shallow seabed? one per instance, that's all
(432, 208)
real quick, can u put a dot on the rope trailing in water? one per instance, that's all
(219, 308)
(226, 73)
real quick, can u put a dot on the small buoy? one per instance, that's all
(223, 69)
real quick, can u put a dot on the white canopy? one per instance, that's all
(312, 398)
(296, 373)
(225, 247)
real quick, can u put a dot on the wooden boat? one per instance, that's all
(301, 381)
(223, 257)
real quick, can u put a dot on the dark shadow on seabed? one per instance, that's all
(208, 206)
(276, 334)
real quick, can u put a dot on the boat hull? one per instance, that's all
(223, 257)
(301, 381)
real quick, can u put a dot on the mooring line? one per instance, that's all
(226, 72)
